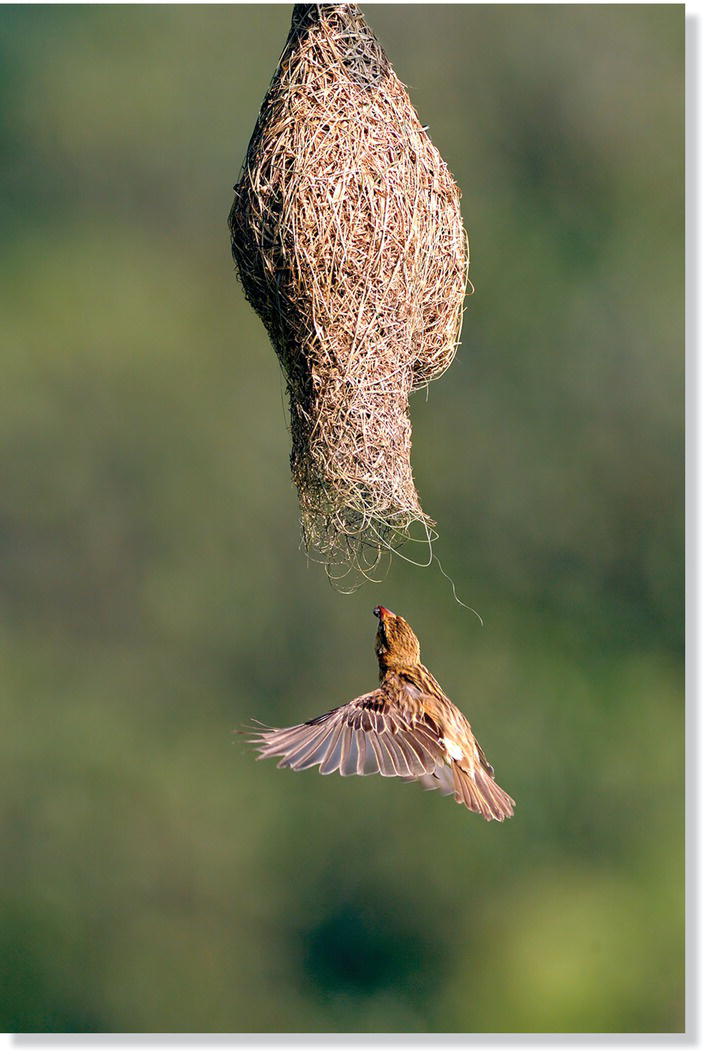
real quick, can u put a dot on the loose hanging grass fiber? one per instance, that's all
(347, 235)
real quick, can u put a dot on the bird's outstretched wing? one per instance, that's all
(365, 736)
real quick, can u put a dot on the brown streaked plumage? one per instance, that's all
(406, 727)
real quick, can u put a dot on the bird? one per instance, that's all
(407, 727)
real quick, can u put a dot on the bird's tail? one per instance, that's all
(480, 793)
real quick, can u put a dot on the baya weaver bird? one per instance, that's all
(406, 727)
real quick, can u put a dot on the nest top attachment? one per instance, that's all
(347, 235)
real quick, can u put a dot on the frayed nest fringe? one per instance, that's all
(347, 235)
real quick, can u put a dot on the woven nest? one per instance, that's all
(347, 235)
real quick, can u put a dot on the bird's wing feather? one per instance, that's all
(471, 780)
(480, 793)
(365, 736)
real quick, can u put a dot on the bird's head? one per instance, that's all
(396, 643)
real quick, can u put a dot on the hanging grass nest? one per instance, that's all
(348, 238)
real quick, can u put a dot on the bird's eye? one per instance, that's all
(376, 611)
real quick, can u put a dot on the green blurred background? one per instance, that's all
(154, 595)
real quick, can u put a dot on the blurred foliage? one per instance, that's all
(154, 594)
